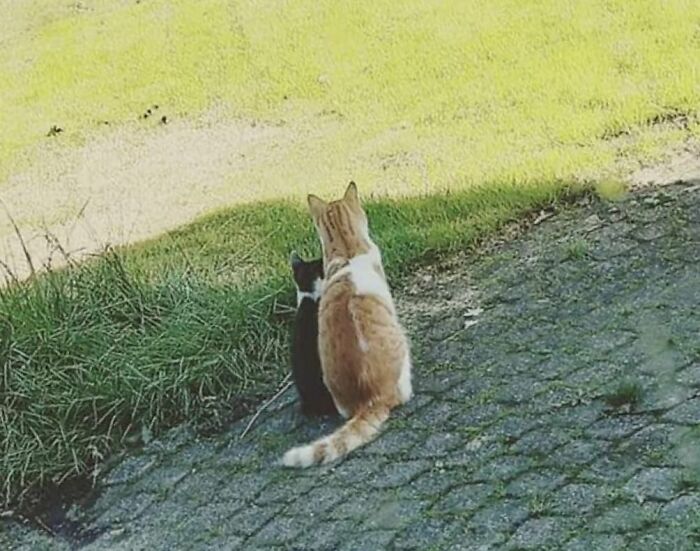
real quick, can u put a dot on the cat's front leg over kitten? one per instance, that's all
(364, 351)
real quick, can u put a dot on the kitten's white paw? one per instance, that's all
(303, 456)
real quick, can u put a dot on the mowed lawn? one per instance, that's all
(501, 107)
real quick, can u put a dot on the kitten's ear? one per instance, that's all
(317, 206)
(295, 260)
(351, 196)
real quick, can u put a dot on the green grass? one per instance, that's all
(504, 104)
(576, 249)
(626, 393)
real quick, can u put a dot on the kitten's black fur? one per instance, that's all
(306, 363)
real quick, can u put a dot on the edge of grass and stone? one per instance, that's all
(103, 356)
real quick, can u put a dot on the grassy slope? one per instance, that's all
(516, 96)
(503, 90)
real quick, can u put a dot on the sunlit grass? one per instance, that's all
(499, 90)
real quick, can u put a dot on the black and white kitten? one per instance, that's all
(306, 364)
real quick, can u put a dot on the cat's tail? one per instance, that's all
(358, 430)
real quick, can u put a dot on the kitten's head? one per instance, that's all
(341, 224)
(308, 275)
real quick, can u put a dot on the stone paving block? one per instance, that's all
(438, 445)
(502, 517)
(397, 474)
(197, 488)
(394, 514)
(577, 453)
(464, 499)
(432, 484)
(668, 395)
(664, 539)
(508, 429)
(626, 517)
(541, 441)
(320, 500)
(371, 541)
(283, 491)
(163, 478)
(128, 508)
(130, 470)
(687, 413)
(690, 376)
(355, 505)
(252, 518)
(682, 510)
(325, 536)
(576, 499)
(654, 484)
(356, 468)
(651, 444)
(427, 533)
(199, 451)
(539, 482)
(614, 428)
(241, 487)
(280, 530)
(578, 416)
(610, 470)
(540, 533)
(503, 468)
(597, 542)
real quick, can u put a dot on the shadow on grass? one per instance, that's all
(99, 356)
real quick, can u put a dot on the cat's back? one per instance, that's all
(362, 275)
(358, 297)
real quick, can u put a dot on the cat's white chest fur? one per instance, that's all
(313, 295)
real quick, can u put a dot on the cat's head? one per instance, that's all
(308, 276)
(341, 224)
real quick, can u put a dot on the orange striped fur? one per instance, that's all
(365, 355)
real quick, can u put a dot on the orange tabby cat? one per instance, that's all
(364, 352)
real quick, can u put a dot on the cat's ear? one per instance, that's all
(351, 196)
(295, 260)
(317, 206)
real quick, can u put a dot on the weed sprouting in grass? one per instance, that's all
(626, 394)
(539, 505)
(688, 482)
(576, 249)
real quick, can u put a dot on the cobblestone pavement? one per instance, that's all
(557, 407)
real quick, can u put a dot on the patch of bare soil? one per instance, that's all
(130, 183)
(681, 165)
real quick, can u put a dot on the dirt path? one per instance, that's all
(141, 179)
(557, 404)
(138, 181)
